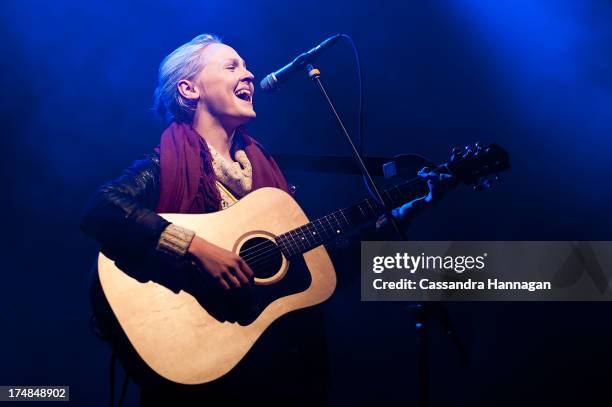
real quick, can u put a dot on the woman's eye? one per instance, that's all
(231, 67)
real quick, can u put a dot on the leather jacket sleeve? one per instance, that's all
(121, 214)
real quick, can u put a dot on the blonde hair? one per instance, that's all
(185, 62)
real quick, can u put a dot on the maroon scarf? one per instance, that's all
(187, 178)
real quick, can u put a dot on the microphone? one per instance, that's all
(273, 80)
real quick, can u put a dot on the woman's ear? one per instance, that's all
(188, 90)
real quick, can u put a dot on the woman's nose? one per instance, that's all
(249, 77)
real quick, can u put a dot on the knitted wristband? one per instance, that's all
(175, 240)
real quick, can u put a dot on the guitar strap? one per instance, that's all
(227, 198)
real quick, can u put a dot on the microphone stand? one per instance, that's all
(421, 310)
(315, 75)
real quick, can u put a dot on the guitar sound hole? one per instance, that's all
(263, 256)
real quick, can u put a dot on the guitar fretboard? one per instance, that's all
(326, 228)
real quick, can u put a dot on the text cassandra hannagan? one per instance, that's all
(469, 284)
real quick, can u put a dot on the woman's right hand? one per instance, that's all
(226, 268)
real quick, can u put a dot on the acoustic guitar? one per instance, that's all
(190, 332)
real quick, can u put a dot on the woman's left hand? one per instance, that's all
(438, 182)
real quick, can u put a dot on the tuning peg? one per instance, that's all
(455, 154)
(478, 146)
(482, 184)
(467, 152)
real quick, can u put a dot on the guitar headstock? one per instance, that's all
(477, 165)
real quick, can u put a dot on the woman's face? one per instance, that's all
(225, 86)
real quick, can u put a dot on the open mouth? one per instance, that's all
(244, 94)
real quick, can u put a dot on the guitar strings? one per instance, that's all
(251, 253)
(267, 254)
(329, 229)
(295, 244)
(257, 253)
(305, 226)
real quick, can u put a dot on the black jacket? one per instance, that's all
(121, 214)
(121, 217)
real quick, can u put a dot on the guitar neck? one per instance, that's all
(328, 227)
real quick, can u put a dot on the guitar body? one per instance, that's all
(190, 334)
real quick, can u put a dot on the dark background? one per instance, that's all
(533, 75)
